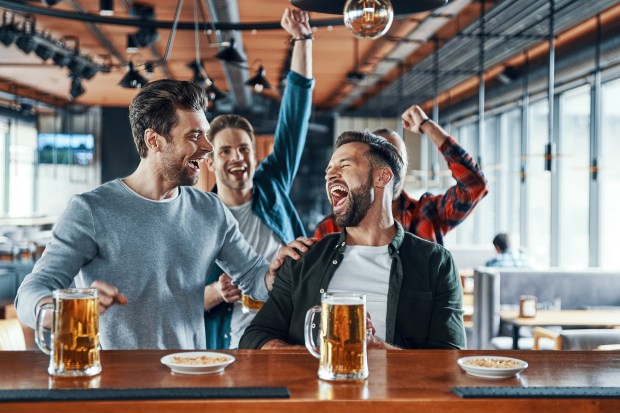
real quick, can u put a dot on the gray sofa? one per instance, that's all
(497, 288)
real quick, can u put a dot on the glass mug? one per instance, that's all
(250, 305)
(342, 336)
(74, 334)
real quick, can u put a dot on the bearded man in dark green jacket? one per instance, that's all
(413, 289)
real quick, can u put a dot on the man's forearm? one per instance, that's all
(434, 132)
(212, 297)
(279, 345)
(301, 61)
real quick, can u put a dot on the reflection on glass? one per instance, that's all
(61, 382)
(487, 208)
(573, 167)
(510, 195)
(355, 390)
(538, 187)
(609, 176)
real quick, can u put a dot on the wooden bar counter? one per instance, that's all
(399, 381)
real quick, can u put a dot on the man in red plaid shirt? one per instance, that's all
(432, 216)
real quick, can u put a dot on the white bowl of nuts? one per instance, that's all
(492, 367)
(197, 362)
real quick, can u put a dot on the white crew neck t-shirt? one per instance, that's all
(366, 270)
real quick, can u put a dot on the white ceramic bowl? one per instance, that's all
(491, 372)
(206, 368)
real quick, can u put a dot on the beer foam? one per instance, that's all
(343, 300)
(77, 296)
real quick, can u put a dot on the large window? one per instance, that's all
(18, 142)
(510, 175)
(23, 156)
(486, 214)
(573, 167)
(610, 176)
(538, 187)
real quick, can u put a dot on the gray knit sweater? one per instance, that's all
(156, 253)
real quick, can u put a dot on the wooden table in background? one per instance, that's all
(399, 381)
(562, 318)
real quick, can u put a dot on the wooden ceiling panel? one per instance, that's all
(333, 51)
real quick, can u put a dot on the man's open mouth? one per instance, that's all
(195, 163)
(338, 194)
(238, 171)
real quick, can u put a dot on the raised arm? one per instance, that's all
(297, 24)
(471, 185)
(290, 134)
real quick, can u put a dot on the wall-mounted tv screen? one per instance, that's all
(66, 149)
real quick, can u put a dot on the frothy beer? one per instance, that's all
(343, 334)
(250, 305)
(75, 338)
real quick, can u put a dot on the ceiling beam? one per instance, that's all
(36, 95)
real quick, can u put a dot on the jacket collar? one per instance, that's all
(393, 247)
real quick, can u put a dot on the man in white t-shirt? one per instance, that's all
(412, 286)
(258, 196)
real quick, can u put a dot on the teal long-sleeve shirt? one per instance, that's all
(273, 179)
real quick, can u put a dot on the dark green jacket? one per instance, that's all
(424, 303)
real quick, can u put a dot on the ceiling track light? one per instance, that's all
(25, 41)
(76, 87)
(145, 35)
(258, 81)
(61, 59)
(8, 30)
(214, 93)
(132, 44)
(44, 52)
(106, 7)
(230, 54)
(200, 78)
(132, 79)
(149, 68)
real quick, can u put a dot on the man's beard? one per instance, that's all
(360, 200)
(172, 172)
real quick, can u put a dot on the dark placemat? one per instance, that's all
(144, 394)
(537, 392)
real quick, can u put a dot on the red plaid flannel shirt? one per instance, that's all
(432, 216)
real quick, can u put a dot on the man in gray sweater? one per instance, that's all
(147, 241)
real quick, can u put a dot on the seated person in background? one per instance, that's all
(258, 197)
(505, 256)
(413, 289)
(432, 216)
(146, 241)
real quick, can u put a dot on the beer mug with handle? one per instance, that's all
(75, 332)
(342, 336)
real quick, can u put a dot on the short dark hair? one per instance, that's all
(155, 107)
(502, 242)
(380, 152)
(230, 121)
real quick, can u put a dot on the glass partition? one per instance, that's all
(538, 187)
(574, 178)
(610, 176)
